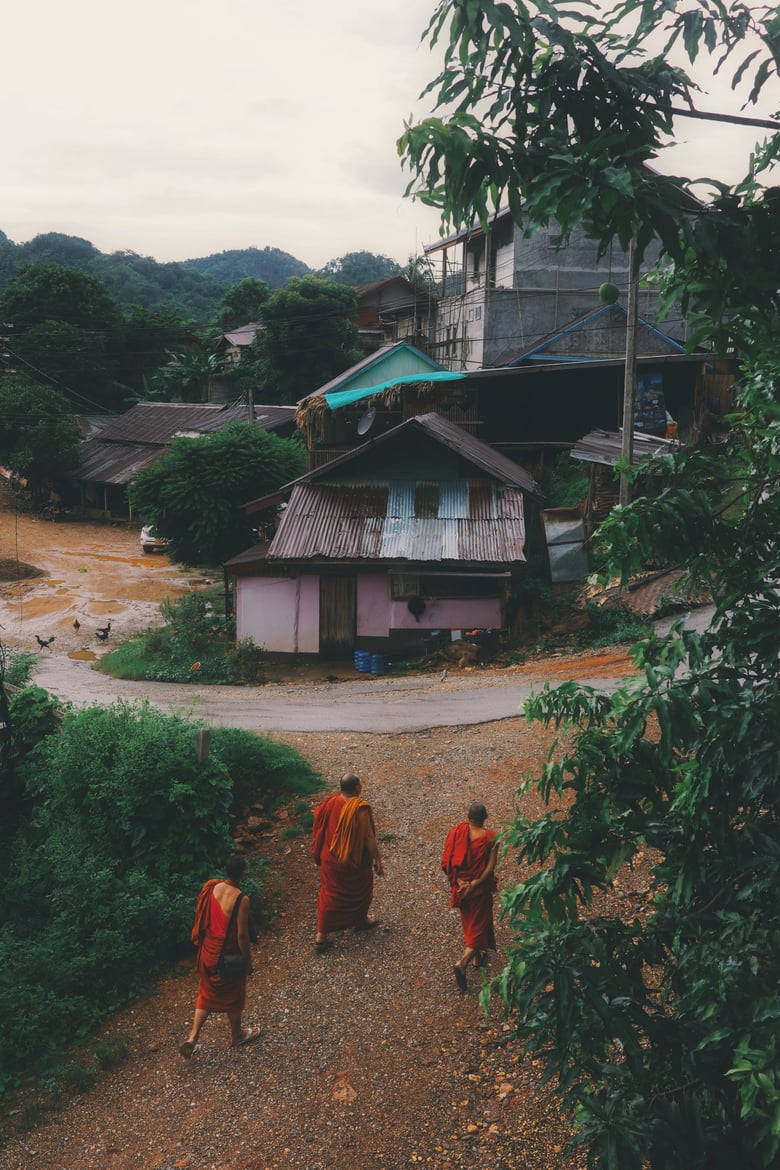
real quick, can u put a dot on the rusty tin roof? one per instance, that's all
(475, 521)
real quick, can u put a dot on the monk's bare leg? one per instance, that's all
(466, 958)
(236, 1031)
(198, 1020)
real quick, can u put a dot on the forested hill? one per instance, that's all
(268, 264)
(193, 287)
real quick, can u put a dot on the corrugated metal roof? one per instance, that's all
(144, 433)
(473, 449)
(270, 418)
(244, 335)
(159, 422)
(606, 447)
(114, 462)
(424, 522)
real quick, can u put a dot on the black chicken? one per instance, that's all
(103, 632)
(44, 642)
(76, 624)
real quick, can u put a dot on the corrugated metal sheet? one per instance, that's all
(606, 447)
(144, 433)
(244, 335)
(159, 422)
(270, 418)
(473, 449)
(476, 521)
(114, 462)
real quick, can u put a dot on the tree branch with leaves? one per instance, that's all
(659, 1026)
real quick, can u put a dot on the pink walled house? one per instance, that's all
(420, 529)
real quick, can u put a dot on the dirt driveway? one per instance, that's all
(52, 574)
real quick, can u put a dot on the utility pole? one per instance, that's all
(629, 377)
(250, 398)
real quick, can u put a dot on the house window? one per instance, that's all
(460, 587)
(404, 586)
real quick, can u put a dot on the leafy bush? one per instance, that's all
(609, 627)
(261, 770)
(19, 668)
(195, 644)
(194, 494)
(121, 826)
(566, 483)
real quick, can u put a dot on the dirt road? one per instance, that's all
(56, 574)
(53, 574)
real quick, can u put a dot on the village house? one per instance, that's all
(538, 405)
(142, 435)
(394, 310)
(421, 528)
(501, 291)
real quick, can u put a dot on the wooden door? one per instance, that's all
(338, 616)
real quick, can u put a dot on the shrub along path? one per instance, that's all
(369, 1054)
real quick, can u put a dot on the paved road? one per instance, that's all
(367, 704)
(383, 704)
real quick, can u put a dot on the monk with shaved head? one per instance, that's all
(345, 848)
(469, 861)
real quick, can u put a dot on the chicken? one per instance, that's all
(44, 642)
(103, 632)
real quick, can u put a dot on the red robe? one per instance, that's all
(346, 888)
(211, 923)
(464, 860)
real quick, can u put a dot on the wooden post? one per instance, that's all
(629, 377)
(202, 744)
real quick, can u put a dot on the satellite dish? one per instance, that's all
(366, 421)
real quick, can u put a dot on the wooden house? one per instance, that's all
(420, 528)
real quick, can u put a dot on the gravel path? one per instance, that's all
(369, 1057)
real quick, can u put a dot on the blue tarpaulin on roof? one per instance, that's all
(344, 397)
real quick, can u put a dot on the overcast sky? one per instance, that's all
(176, 129)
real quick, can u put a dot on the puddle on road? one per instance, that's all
(83, 655)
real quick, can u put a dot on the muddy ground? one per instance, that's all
(55, 574)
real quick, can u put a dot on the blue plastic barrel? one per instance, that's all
(362, 661)
(377, 664)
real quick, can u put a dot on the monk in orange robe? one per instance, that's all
(469, 861)
(345, 848)
(217, 927)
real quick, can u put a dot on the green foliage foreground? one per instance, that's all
(660, 1026)
(116, 825)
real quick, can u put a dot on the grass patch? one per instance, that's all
(196, 643)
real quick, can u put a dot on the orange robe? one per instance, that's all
(346, 886)
(465, 860)
(211, 924)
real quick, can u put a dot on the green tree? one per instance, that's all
(310, 335)
(66, 328)
(241, 304)
(193, 495)
(186, 375)
(659, 1025)
(150, 337)
(356, 268)
(38, 439)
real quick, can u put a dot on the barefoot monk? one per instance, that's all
(469, 861)
(345, 848)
